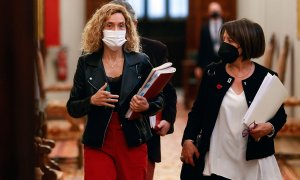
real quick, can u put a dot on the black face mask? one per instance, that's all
(215, 15)
(228, 53)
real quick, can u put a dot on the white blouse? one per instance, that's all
(227, 152)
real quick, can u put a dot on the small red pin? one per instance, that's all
(219, 86)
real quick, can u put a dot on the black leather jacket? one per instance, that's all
(88, 79)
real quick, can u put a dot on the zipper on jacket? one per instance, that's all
(137, 71)
(140, 136)
(93, 85)
(140, 139)
(104, 135)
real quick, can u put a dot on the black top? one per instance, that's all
(114, 84)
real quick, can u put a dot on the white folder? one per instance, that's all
(270, 96)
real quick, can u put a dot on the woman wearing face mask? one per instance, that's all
(226, 91)
(108, 75)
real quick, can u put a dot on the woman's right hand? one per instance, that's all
(104, 98)
(189, 151)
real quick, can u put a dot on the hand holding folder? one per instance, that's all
(267, 101)
(153, 85)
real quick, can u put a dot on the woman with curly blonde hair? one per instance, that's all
(92, 34)
(108, 76)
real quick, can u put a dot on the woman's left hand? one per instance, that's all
(163, 128)
(139, 104)
(260, 130)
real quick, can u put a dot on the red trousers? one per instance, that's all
(115, 160)
(150, 169)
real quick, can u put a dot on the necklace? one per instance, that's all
(249, 70)
(112, 63)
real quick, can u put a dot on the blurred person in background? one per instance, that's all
(209, 39)
(158, 54)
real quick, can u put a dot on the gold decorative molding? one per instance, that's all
(298, 19)
(40, 19)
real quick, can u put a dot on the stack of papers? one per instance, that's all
(153, 85)
(270, 96)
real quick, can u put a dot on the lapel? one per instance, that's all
(221, 81)
(95, 73)
(131, 75)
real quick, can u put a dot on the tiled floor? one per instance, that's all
(169, 168)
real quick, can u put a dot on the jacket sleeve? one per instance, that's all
(195, 116)
(78, 104)
(278, 120)
(169, 111)
(170, 97)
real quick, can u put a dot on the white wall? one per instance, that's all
(72, 24)
(279, 17)
(72, 21)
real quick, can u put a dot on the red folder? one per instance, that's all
(154, 84)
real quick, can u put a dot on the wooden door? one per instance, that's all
(92, 6)
(17, 92)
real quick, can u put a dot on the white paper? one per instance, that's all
(152, 120)
(267, 101)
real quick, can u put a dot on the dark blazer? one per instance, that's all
(206, 53)
(205, 110)
(88, 79)
(158, 54)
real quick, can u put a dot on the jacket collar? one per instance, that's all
(222, 79)
(225, 78)
(94, 59)
(131, 74)
(96, 74)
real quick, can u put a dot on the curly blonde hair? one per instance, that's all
(93, 31)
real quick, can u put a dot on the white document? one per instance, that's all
(267, 101)
(152, 120)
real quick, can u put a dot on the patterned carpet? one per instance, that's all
(66, 153)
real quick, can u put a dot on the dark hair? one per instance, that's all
(249, 35)
(127, 6)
